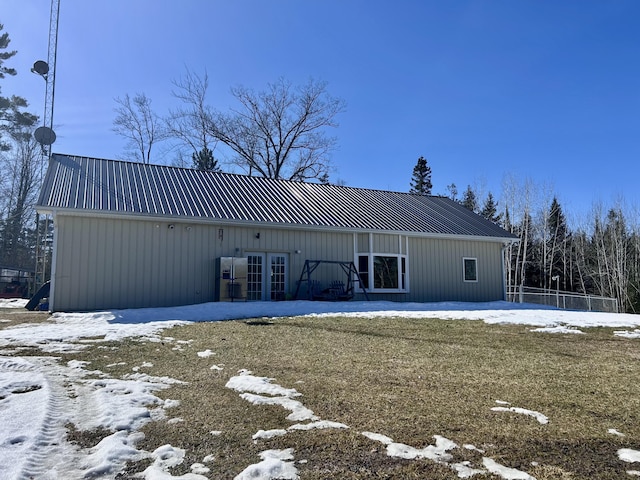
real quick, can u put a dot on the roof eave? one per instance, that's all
(246, 223)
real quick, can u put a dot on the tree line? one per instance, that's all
(600, 256)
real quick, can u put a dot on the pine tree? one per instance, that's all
(490, 210)
(203, 160)
(421, 179)
(12, 118)
(469, 199)
(557, 245)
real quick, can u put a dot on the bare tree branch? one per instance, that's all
(279, 132)
(139, 125)
(189, 123)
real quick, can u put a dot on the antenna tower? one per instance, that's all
(46, 136)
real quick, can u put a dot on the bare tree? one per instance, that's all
(189, 123)
(517, 200)
(20, 178)
(280, 132)
(139, 125)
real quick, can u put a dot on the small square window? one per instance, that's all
(470, 266)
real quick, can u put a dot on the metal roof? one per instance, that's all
(125, 188)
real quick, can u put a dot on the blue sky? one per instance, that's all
(546, 90)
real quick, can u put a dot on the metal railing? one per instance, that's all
(560, 299)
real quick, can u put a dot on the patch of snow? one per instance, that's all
(245, 382)
(468, 446)
(557, 329)
(119, 445)
(216, 367)
(628, 455)
(543, 419)
(377, 437)
(267, 434)
(319, 425)
(613, 431)
(298, 411)
(13, 302)
(209, 458)
(437, 452)
(627, 334)
(175, 420)
(206, 353)
(199, 468)
(166, 457)
(464, 470)
(274, 465)
(505, 472)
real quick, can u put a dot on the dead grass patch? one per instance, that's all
(10, 317)
(404, 378)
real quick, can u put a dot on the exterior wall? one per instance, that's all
(435, 269)
(131, 263)
(108, 263)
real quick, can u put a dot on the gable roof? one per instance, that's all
(88, 185)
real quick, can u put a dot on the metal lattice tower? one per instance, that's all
(45, 136)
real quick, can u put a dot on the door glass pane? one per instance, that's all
(278, 277)
(254, 277)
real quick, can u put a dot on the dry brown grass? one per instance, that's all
(10, 317)
(404, 378)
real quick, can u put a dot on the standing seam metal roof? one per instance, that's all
(110, 186)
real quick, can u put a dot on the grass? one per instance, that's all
(403, 378)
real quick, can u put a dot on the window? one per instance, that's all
(470, 269)
(387, 273)
(363, 270)
(382, 261)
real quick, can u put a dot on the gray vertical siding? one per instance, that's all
(122, 263)
(131, 263)
(437, 275)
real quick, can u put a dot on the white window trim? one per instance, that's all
(464, 273)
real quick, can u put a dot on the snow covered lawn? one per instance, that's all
(349, 390)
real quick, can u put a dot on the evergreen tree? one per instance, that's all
(421, 179)
(557, 244)
(203, 160)
(490, 210)
(19, 171)
(469, 199)
(12, 117)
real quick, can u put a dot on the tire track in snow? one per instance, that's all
(48, 442)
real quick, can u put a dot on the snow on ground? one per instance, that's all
(13, 302)
(39, 396)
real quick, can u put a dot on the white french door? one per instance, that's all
(267, 276)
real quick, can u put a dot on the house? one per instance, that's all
(130, 235)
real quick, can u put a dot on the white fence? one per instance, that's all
(560, 299)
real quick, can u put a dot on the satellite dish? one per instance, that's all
(44, 135)
(40, 67)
